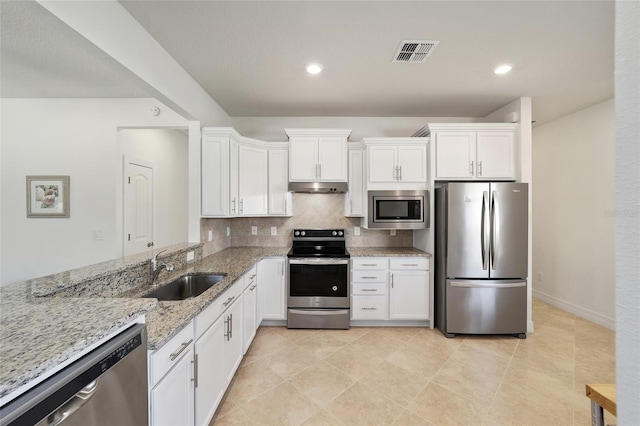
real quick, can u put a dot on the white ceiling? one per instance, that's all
(250, 55)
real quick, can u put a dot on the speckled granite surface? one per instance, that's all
(37, 335)
(386, 252)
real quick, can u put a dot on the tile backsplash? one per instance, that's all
(309, 211)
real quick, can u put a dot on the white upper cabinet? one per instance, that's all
(355, 199)
(252, 181)
(318, 155)
(280, 202)
(396, 161)
(479, 151)
(242, 176)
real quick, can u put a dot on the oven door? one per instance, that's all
(318, 283)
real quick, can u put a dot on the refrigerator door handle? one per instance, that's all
(487, 285)
(495, 226)
(484, 228)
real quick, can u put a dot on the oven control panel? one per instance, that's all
(318, 233)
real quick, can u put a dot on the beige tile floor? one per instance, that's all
(407, 376)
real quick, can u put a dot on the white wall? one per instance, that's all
(74, 137)
(167, 151)
(627, 230)
(272, 128)
(573, 204)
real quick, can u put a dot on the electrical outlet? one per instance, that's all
(356, 230)
(539, 277)
(191, 255)
(98, 235)
(210, 235)
(228, 231)
(274, 230)
(254, 230)
(392, 232)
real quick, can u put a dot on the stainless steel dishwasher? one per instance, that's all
(108, 386)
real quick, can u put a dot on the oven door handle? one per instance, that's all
(314, 261)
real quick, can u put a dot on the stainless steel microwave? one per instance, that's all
(398, 209)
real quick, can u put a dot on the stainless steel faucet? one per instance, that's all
(155, 269)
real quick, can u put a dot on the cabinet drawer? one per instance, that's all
(368, 307)
(372, 276)
(250, 277)
(421, 263)
(161, 361)
(369, 289)
(370, 263)
(208, 316)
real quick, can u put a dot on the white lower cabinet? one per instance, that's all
(250, 308)
(171, 375)
(395, 288)
(233, 342)
(211, 384)
(271, 278)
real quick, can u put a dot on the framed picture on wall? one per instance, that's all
(48, 196)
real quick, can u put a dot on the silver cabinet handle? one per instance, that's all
(253, 287)
(479, 168)
(252, 276)
(369, 264)
(241, 205)
(227, 334)
(400, 171)
(391, 278)
(233, 209)
(471, 168)
(230, 326)
(410, 264)
(369, 278)
(369, 309)
(195, 371)
(369, 289)
(184, 346)
(228, 301)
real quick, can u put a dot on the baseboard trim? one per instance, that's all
(585, 313)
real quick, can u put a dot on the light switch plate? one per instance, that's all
(274, 230)
(210, 235)
(356, 230)
(191, 255)
(392, 232)
(98, 235)
(254, 230)
(228, 231)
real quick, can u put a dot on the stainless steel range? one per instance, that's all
(318, 280)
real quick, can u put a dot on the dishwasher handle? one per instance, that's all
(74, 404)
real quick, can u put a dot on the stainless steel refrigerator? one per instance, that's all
(481, 253)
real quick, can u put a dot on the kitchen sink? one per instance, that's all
(186, 287)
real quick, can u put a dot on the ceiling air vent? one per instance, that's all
(414, 50)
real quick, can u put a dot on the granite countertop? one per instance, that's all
(39, 333)
(386, 251)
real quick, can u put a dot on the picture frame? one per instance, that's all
(48, 197)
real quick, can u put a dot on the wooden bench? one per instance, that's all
(601, 396)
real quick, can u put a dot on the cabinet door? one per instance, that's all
(279, 201)
(412, 161)
(332, 159)
(494, 152)
(356, 195)
(215, 176)
(382, 163)
(455, 155)
(271, 281)
(234, 175)
(408, 295)
(249, 313)
(252, 180)
(172, 398)
(210, 381)
(303, 158)
(233, 342)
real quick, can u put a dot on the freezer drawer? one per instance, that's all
(486, 306)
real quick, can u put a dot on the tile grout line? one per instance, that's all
(501, 381)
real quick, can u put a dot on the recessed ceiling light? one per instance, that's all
(503, 69)
(314, 68)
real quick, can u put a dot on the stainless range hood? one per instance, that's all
(318, 187)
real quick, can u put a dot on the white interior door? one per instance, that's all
(138, 207)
